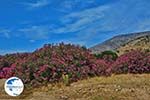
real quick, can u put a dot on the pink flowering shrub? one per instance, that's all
(132, 62)
(50, 63)
(7, 72)
(7, 64)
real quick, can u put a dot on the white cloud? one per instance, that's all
(119, 17)
(37, 4)
(111, 19)
(78, 21)
(36, 32)
(70, 5)
(32, 41)
(5, 33)
(144, 25)
(3, 52)
(89, 23)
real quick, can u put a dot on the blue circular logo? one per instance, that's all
(14, 86)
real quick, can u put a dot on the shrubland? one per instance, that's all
(68, 63)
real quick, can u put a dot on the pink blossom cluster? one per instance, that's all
(50, 63)
(132, 62)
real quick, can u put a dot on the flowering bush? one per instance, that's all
(51, 62)
(7, 64)
(7, 72)
(69, 63)
(132, 62)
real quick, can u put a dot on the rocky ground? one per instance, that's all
(116, 87)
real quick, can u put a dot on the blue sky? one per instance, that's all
(26, 25)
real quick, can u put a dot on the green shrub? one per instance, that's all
(66, 79)
(107, 55)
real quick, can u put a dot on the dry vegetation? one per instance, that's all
(116, 87)
(142, 43)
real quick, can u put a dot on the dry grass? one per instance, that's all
(137, 44)
(116, 87)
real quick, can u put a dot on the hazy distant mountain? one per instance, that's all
(124, 42)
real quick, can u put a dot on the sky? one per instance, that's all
(26, 25)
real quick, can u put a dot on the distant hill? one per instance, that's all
(124, 43)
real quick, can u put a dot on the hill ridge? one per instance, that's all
(118, 41)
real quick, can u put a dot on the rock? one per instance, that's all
(64, 97)
(118, 88)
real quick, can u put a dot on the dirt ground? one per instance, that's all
(116, 87)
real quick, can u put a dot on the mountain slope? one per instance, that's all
(142, 43)
(133, 39)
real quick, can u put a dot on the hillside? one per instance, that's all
(141, 43)
(116, 87)
(71, 72)
(124, 43)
